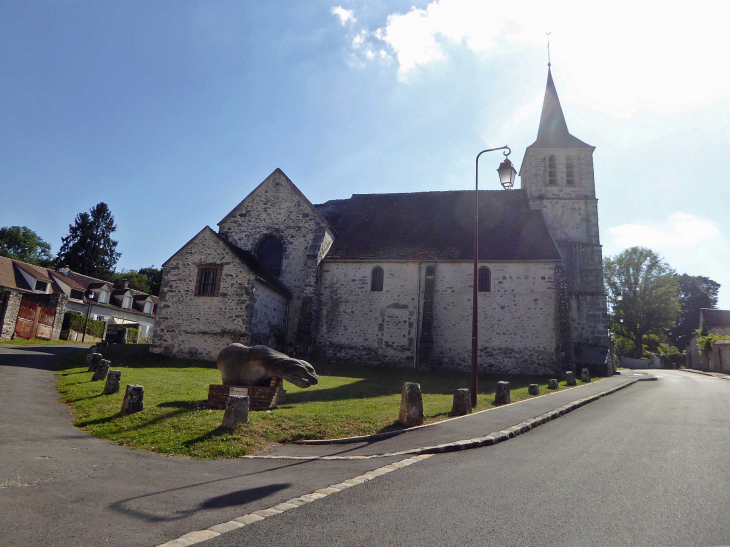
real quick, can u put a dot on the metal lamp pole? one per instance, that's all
(505, 165)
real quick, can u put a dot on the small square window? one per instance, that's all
(41, 286)
(209, 280)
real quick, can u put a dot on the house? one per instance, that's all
(33, 301)
(386, 279)
(115, 304)
(711, 322)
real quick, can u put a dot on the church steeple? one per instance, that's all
(553, 130)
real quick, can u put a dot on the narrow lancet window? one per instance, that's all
(485, 280)
(376, 281)
(270, 253)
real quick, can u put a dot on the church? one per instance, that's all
(386, 279)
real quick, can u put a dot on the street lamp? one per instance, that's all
(507, 179)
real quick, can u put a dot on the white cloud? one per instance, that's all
(637, 62)
(343, 14)
(681, 231)
(359, 40)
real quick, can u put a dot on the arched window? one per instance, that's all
(485, 280)
(376, 280)
(552, 170)
(270, 254)
(570, 171)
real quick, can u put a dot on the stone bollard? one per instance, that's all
(411, 405)
(502, 395)
(552, 383)
(101, 370)
(113, 378)
(585, 376)
(95, 361)
(462, 402)
(533, 389)
(133, 399)
(570, 378)
(236, 411)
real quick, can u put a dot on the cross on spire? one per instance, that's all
(548, 46)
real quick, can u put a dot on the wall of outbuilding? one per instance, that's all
(200, 326)
(423, 316)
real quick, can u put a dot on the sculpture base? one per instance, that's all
(261, 397)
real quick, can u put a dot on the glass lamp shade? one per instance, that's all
(507, 174)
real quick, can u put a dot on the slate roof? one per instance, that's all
(10, 276)
(437, 226)
(553, 131)
(715, 318)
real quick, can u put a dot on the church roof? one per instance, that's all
(437, 226)
(715, 318)
(553, 131)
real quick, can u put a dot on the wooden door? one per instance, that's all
(26, 319)
(45, 323)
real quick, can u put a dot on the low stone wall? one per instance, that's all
(73, 336)
(630, 363)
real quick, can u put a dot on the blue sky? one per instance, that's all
(172, 112)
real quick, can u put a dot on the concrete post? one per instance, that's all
(462, 402)
(502, 395)
(411, 405)
(237, 407)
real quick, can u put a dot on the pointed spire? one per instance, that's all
(553, 131)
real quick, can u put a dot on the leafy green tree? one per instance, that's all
(695, 292)
(650, 294)
(22, 243)
(145, 279)
(89, 248)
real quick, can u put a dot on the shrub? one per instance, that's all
(132, 336)
(75, 321)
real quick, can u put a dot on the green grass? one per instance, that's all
(39, 342)
(349, 400)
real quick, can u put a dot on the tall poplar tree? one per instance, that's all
(89, 248)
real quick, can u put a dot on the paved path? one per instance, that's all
(59, 486)
(649, 465)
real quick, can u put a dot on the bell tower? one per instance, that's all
(557, 175)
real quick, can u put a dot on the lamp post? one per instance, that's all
(507, 175)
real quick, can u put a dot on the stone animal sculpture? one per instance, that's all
(253, 366)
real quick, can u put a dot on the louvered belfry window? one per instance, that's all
(570, 171)
(552, 170)
(209, 280)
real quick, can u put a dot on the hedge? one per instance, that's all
(75, 321)
(132, 336)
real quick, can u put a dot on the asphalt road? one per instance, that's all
(649, 465)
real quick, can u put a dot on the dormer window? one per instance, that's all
(270, 253)
(148, 307)
(41, 286)
(127, 302)
(77, 295)
(103, 297)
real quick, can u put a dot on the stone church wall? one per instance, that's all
(268, 324)
(277, 208)
(199, 327)
(517, 319)
(366, 327)
(517, 327)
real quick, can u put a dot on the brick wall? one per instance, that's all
(277, 208)
(200, 326)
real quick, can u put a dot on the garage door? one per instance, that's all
(26, 319)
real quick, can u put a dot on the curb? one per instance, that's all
(477, 442)
(704, 373)
(389, 434)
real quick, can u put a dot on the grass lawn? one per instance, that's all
(39, 342)
(349, 400)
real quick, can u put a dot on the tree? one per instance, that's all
(88, 248)
(650, 292)
(22, 243)
(695, 292)
(145, 279)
